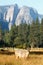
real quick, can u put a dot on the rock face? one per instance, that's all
(8, 15)
(13, 14)
(26, 15)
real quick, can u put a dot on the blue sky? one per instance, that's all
(37, 4)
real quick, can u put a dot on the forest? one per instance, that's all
(23, 36)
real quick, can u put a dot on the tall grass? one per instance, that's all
(11, 60)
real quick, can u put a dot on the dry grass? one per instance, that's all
(36, 50)
(11, 60)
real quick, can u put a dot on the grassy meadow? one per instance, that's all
(10, 59)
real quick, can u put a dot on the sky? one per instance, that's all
(37, 4)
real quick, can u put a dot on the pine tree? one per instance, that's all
(41, 33)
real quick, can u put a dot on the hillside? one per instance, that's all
(13, 14)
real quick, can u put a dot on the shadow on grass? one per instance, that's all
(7, 52)
(37, 53)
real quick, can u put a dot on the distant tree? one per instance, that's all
(34, 36)
(37, 32)
(23, 32)
(1, 38)
(13, 34)
(41, 33)
(6, 38)
(18, 42)
(31, 35)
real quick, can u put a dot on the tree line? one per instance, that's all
(23, 36)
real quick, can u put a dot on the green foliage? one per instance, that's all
(17, 41)
(34, 36)
(1, 38)
(24, 35)
(41, 33)
(7, 39)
